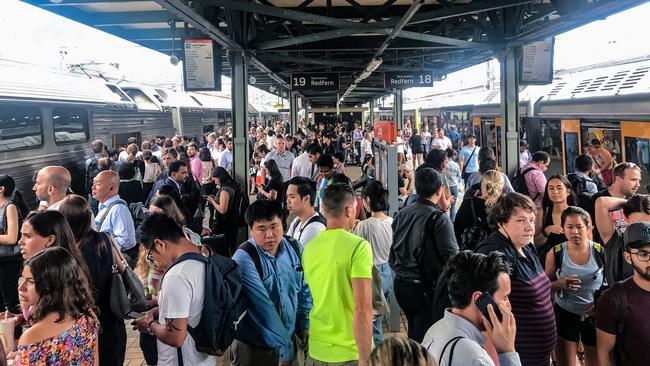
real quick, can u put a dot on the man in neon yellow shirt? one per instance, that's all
(338, 270)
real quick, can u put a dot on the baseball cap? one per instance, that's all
(637, 235)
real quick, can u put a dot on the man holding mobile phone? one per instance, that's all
(477, 283)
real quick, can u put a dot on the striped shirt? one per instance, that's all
(531, 301)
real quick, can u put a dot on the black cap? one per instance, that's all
(637, 235)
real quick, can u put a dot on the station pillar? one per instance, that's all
(397, 107)
(371, 115)
(239, 93)
(293, 107)
(509, 144)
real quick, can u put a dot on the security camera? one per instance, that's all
(174, 60)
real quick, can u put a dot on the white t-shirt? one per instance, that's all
(444, 143)
(181, 296)
(366, 148)
(308, 233)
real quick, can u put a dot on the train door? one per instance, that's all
(490, 133)
(121, 139)
(476, 129)
(636, 142)
(570, 143)
(607, 131)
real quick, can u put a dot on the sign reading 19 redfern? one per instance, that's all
(320, 81)
(403, 80)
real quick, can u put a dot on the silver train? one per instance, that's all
(50, 118)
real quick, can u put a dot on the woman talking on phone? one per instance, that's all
(575, 267)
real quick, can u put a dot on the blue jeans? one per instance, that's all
(452, 210)
(387, 287)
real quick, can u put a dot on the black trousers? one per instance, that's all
(10, 270)
(417, 308)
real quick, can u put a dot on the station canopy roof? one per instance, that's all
(284, 37)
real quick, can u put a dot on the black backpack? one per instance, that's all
(316, 218)
(428, 258)
(92, 170)
(249, 248)
(519, 183)
(440, 300)
(139, 212)
(579, 188)
(223, 304)
(597, 250)
(474, 234)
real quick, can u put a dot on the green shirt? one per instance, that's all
(330, 262)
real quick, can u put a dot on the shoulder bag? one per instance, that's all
(127, 293)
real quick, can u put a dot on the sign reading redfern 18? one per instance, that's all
(403, 80)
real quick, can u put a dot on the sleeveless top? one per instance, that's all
(590, 275)
(72, 347)
(3, 211)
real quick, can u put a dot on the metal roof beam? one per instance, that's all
(305, 60)
(377, 12)
(286, 14)
(317, 37)
(49, 3)
(102, 19)
(399, 26)
(457, 11)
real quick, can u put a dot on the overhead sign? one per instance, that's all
(537, 62)
(403, 80)
(202, 65)
(320, 81)
(284, 110)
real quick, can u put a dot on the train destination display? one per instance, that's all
(403, 80)
(202, 65)
(319, 81)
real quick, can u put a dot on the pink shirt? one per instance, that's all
(536, 183)
(197, 170)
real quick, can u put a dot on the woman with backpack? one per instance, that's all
(470, 225)
(10, 260)
(575, 268)
(222, 207)
(558, 196)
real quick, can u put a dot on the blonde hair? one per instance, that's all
(131, 152)
(492, 186)
(400, 351)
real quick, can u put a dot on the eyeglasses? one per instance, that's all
(149, 256)
(641, 255)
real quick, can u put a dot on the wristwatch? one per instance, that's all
(149, 327)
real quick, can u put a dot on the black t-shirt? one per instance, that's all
(339, 143)
(275, 184)
(636, 326)
(400, 182)
(416, 144)
(465, 218)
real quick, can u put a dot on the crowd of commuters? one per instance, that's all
(487, 269)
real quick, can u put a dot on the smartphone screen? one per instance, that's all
(482, 303)
(134, 315)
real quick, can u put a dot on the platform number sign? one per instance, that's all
(404, 80)
(319, 81)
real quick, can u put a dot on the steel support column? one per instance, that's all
(397, 107)
(509, 146)
(293, 107)
(372, 113)
(239, 81)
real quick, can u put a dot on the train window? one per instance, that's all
(70, 125)
(162, 94)
(637, 150)
(20, 128)
(608, 132)
(119, 92)
(141, 99)
(571, 148)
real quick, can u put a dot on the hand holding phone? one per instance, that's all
(499, 323)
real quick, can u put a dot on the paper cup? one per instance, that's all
(7, 334)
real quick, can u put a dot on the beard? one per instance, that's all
(645, 274)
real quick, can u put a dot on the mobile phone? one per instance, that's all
(482, 303)
(134, 315)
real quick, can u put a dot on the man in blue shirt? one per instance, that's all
(114, 216)
(279, 300)
(468, 158)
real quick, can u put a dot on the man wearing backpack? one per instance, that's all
(301, 194)
(92, 169)
(458, 338)
(180, 302)
(423, 241)
(623, 326)
(581, 183)
(278, 297)
(534, 180)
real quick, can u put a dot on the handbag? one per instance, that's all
(127, 292)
